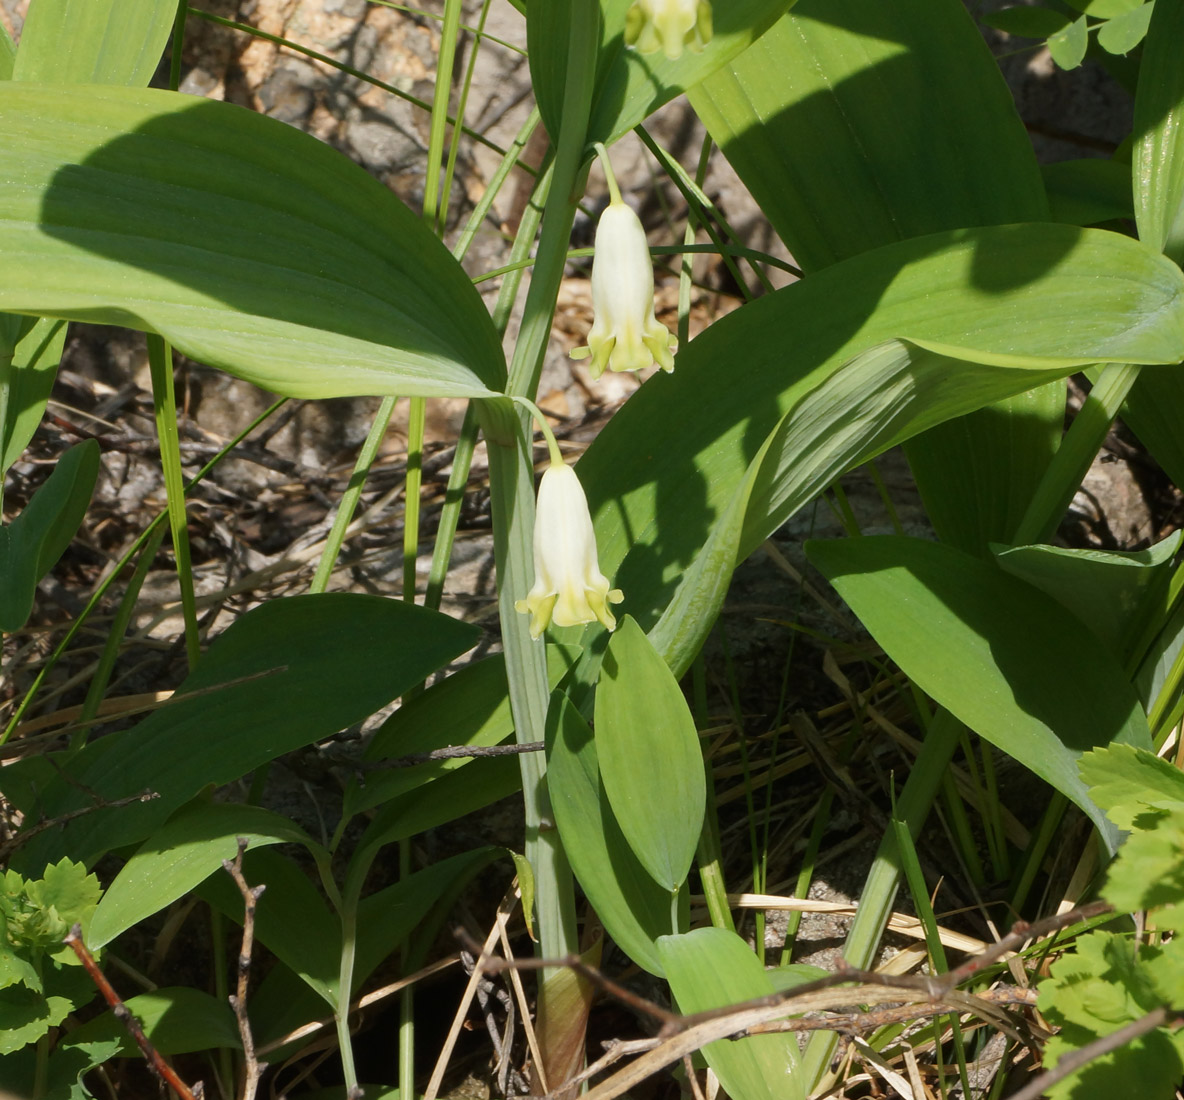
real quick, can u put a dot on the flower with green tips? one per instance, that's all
(569, 588)
(669, 26)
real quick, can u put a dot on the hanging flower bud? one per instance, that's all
(669, 26)
(625, 333)
(569, 588)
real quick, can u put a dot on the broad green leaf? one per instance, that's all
(1088, 191)
(1157, 168)
(25, 1016)
(453, 795)
(94, 41)
(1123, 33)
(861, 72)
(1104, 9)
(30, 380)
(712, 968)
(1000, 655)
(470, 708)
(1152, 410)
(189, 848)
(249, 245)
(1127, 782)
(630, 85)
(633, 908)
(1068, 46)
(32, 543)
(1149, 870)
(68, 1065)
(1026, 22)
(1114, 594)
(175, 1021)
(649, 755)
(838, 391)
(852, 82)
(285, 674)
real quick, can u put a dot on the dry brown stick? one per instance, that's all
(451, 752)
(123, 1014)
(252, 1067)
(25, 835)
(1073, 1061)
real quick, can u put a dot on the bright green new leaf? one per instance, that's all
(94, 41)
(34, 366)
(32, 543)
(1104, 9)
(649, 755)
(1158, 154)
(1114, 594)
(1068, 46)
(629, 85)
(471, 707)
(1128, 782)
(189, 848)
(1095, 990)
(285, 674)
(1026, 22)
(175, 1021)
(1000, 655)
(1148, 872)
(633, 908)
(247, 244)
(1123, 33)
(711, 968)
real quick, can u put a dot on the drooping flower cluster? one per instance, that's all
(625, 334)
(569, 588)
(669, 26)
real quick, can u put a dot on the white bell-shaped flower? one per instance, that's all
(668, 25)
(625, 333)
(569, 588)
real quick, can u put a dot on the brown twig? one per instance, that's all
(1074, 1060)
(450, 752)
(123, 1014)
(252, 1067)
(25, 835)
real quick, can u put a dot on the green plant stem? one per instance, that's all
(177, 45)
(164, 402)
(345, 979)
(879, 890)
(806, 873)
(127, 605)
(97, 596)
(407, 998)
(511, 472)
(416, 423)
(1038, 848)
(5, 390)
(1077, 450)
(221, 987)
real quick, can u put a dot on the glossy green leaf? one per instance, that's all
(649, 755)
(1115, 594)
(175, 1021)
(712, 968)
(1104, 9)
(30, 380)
(190, 847)
(1000, 655)
(1158, 151)
(1025, 21)
(824, 388)
(861, 72)
(633, 908)
(629, 85)
(852, 82)
(1068, 46)
(1153, 411)
(247, 244)
(1124, 32)
(32, 543)
(285, 674)
(471, 707)
(94, 41)
(1088, 191)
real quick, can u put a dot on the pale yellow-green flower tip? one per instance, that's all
(669, 26)
(625, 333)
(569, 588)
